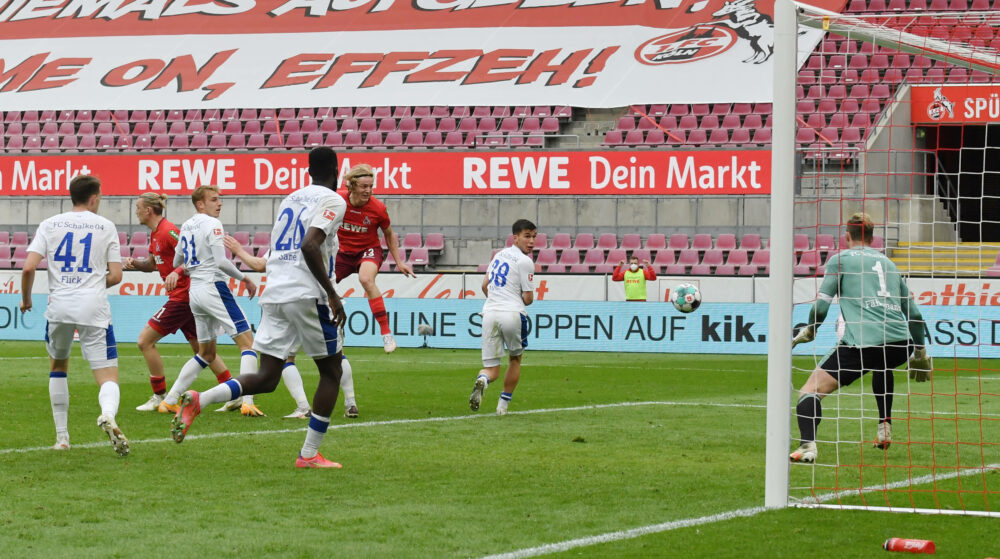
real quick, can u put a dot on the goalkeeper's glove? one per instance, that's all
(805, 335)
(921, 365)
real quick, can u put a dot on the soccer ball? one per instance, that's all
(685, 297)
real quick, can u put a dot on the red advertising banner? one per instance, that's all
(120, 54)
(33, 19)
(955, 104)
(463, 173)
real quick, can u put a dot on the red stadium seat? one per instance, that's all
(702, 242)
(412, 240)
(569, 256)
(713, 257)
(607, 241)
(584, 241)
(561, 241)
(593, 257)
(546, 257)
(631, 241)
(687, 257)
(664, 258)
(615, 256)
(725, 242)
(640, 253)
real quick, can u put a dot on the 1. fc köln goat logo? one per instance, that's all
(686, 46)
(736, 20)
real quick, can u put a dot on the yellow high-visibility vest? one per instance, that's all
(635, 285)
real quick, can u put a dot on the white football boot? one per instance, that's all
(805, 453)
(388, 343)
(477, 394)
(884, 436)
(115, 435)
(152, 404)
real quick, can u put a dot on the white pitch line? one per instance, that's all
(229, 434)
(626, 534)
(723, 516)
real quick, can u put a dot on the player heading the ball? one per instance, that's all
(84, 260)
(360, 250)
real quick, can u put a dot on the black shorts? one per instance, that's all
(847, 364)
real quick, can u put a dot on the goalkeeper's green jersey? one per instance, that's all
(873, 297)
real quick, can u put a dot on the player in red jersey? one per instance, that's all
(360, 249)
(175, 314)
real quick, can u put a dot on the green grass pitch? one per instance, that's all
(668, 446)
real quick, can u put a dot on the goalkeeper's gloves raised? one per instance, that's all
(921, 365)
(805, 335)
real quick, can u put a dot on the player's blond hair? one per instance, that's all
(861, 227)
(199, 193)
(356, 172)
(154, 200)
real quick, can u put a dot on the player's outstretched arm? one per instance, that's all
(392, 242)
(256, 264)
(139, 265)
(313, 256)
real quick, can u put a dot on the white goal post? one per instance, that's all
(904, 487)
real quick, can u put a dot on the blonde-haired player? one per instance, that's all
(202, 255)
(84, 260)
(360, 249)
(175, 314)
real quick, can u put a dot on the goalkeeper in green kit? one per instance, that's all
(883, 327)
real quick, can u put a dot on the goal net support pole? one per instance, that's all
(943, 457)
(779, 358)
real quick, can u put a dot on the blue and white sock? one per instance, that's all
(189, 372)
(59, 398)
(506, 396)
(109, 397)
(485, 377)
(314, 435)
(229, 390)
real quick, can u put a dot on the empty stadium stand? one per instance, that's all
(279, 129)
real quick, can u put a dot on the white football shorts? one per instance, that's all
(285, 326)
(97, 344)
(215, 309)
(502, 328)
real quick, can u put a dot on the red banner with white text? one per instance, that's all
(134, 54)
(464, 173)
(955, 104)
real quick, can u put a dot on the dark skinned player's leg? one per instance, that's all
(191, 403)
(329, 384)
(265, 380)
(323, 402)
